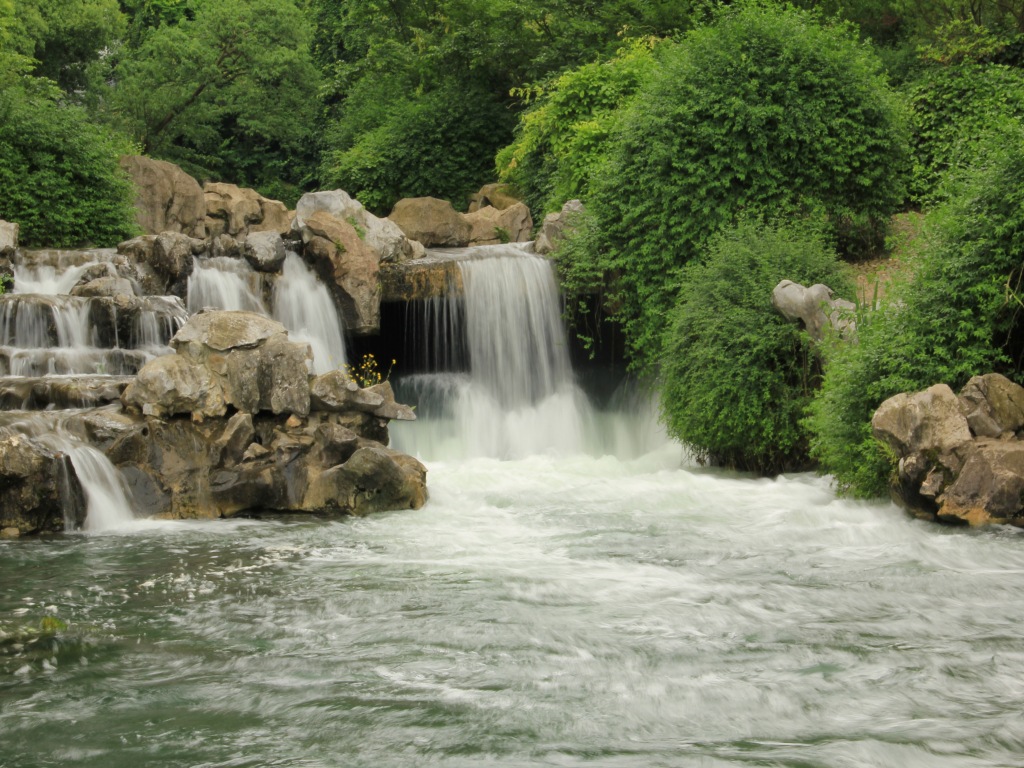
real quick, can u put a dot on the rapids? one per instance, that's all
(575, 593)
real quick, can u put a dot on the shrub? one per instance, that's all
(564, 138)
(764, 109)
(736, 376)
(437, 144)
(959, 316)
(59, 177)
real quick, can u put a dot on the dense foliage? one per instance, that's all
(736, 377)
(565, 137)
(59, 177)
(960, 315)
(763, 109)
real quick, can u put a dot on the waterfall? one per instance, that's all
(105, 493)
(224, 283)
(519, 396)
(304, 306)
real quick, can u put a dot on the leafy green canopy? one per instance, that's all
(764, 109)
(229, 93)
(437, 144)
(736, 377)
(954, 100)
(59, 177)
(960, 316)
(564, 138)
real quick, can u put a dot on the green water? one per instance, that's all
(555, 612)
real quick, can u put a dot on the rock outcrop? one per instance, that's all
(237, 211)
(167, 199)
(555, 225)
(38, 487)
(431, 221)
(490, 226)
(961, 457)
(815, 308)
(260, 432)
(8, 238)
(382, 235)
(499, 196)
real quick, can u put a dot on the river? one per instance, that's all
(546, 611)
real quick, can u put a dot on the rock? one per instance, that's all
(104, 286)
(225, 245)
(236, 211)
(497, 196)
(372, 480)
(337, 443)
(171, 260)
(921, 422)
(431, 221)
(389, 408)
(815, 308)
(225, 359)
(990, 487)
(10, 533)
(39, 490)
(490, 226)
(335, 392)
(8, 238)
(238, 435)
(992, 405)
(555, 225)
(425, 278)
(350, 268)
(382, 235)
(264, 251)
(167, 199)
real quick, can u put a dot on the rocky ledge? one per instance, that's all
(961, 457)
(229, 423)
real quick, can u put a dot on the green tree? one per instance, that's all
(763, 109)
(230, 93)
(736, 377)
(59, 177)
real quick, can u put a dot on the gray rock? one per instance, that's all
(104, 286)
(38, 488)
(490, 226)
(166, 198)
(555, 226)
(264, 251)
(382, 235)
(815, 308)
(990, 486)
(992, 405)
(8, 238)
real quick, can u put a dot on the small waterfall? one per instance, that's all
(105, 493)
(55, 272)
(519, 397)
(304, 306)
(224, 283)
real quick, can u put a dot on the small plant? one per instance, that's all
(360, 230)
(502, 235)
(367, 372)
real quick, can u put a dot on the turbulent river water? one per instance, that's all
(545, 611)
(575, 593)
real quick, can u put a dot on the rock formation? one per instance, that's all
(38, 487)
(237, 211)
(555, 225)
(815, 308)
(961, 457)
(8, 238)
(497, 196)
(435, 223)
(167, 199)
(490, 226)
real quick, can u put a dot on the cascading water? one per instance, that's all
(304, 306)
(108, 507)
(519, 396)
(224, 283)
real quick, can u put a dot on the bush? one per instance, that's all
(438, 144)
(59, 177)
(764, 109)
(960, 316)
(736, 376)
(564, 138)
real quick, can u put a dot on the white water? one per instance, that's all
(225, 283)
(304, 306)
(108, 507)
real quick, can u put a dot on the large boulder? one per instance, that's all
(348, 265)
(499, 196)
(240, 360)
(383, 235)
(431, 221)
(815, 308)
(490, 226)
(992, 405)
(39, 490)
(555, 226)
(161, 263)
(167, 199)
(928, 421)
(336, 392)
(237, 211)
(990, 486)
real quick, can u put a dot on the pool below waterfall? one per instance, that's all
(560, 611)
